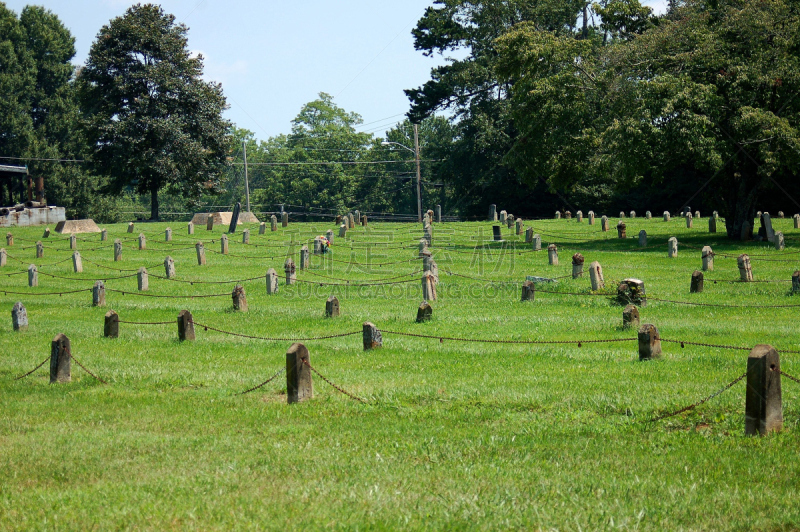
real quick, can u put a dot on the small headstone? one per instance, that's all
(338, 219)
(591, 217)
(169, 268)
(33, 276)
(697, 283)
(633, 214)
(329, 236)
(707, 254)
(201, 254)
(351, 224)
(223, 244)
(568, 215)
(210, 222)
(529, 235)
(697, 214)
(780, 214)
(19, 317)
(77, 262)
(596, 276)
(39, 250)
(357, 216)
(796, 219)
(503, 217)
(239, 299)
(763, 410)
(60, 360)
(621, 214)
(185, 326)
(758, 214)
(272, 282)
(46, 233)
(142, 242)
(343, 231)
(712, 225)
(796, 282)
(496, 234)
(273, 220)
(73, 241)
(649, 342)
(622, 230)
(492, 212)
(666, 216)
(304, 258)
(144, 282)
(3, 257)
(246, 236)
(780, 243)
(558, 215)
(117, 250)
(372, 336)
(687, 211)
(290, 270)
(604, 226)
(745, 269)
(284, 219)
(577, 265)
(648, 215)
(317, 245)
(642, 238)
(235, 217)
(438, 214)
(190, 228)
(766, 223)
(537, 243)
(424, 312)
(364, 220)
(528, 291)
(428, 234)
(579, 216)
(99, 294)
(262, 228)
(111, 325)
(168, 234)
(632, 291)
(104, 235)
(630, 317)
(552, 254)
(332, 307)
(130, 227)
(299, 386)
(747, 231)
(689, 221)
(428, 287)
(672, 247)
(518, 225)
(9, 239)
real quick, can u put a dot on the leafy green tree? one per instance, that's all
(152, 122)
(708, 96)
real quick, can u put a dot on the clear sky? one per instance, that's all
(272, 56)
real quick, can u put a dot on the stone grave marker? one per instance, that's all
(111, 325)
(143, 281)
(622, 230)
(689, 220)
(552, 255)
(332, 307)
(763, 411)
(77, 262)
(630, 317)
(284, 219)
(596, 276)
(223, 244)
(169, 268)
(60, 360)
(130, 227)
(579, 216)
(190, 228)
(712, 225)
(73, 241)
(99, 294)
(235, 218)
(666, 216)
(591, 217)
(558, 215)
(239, 299)
(649, 342)
(33, 276)
(117, 250)
(3, 257)
(46, 233)
(424, 312)
(299, 386)
(672, 247)
(428, 287)
(19, 317)
(498, 236)
(537, 243)
(648, 215)
(642, 238)
(262, 228)
(104, 235)
(290, 270)
(185, 326)
(372, 336)
(246, 236)
(39, 250)
(604, 226)
(492, 212)
(796, 282)
(272, 282)
(696, 286)
(304, 258)
(708, 259)
(577, 265)
(780, 243)
(528, 291)
(201, 254)
(745, 269)
(142, 242)
(343, 231)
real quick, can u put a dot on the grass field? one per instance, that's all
(454, 435)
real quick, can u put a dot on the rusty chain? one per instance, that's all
(700, 402)
(31, 372)
(84, 367)
(795, 379)
(147, 323)
(210, 328)
(521, 342)
(338, 388)
(263, 383)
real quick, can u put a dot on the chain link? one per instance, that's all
(338, 388)
(263, 383)
(701, 401)
(795, 379)
(210, 328)
(33, 370)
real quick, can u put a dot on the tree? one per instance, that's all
(707, 95)
(152, 122)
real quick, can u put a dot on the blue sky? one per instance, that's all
(273, 56)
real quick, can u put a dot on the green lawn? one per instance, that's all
(454, 435)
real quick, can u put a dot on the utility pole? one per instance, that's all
(246, 180)
(416, 155)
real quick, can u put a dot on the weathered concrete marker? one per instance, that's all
(763, 411)
(299, 386)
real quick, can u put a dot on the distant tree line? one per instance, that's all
(554, 104)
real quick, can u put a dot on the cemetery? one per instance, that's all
(489, 374)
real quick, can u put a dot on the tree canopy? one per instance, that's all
(152, 122)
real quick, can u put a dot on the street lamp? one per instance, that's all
(415, 151)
